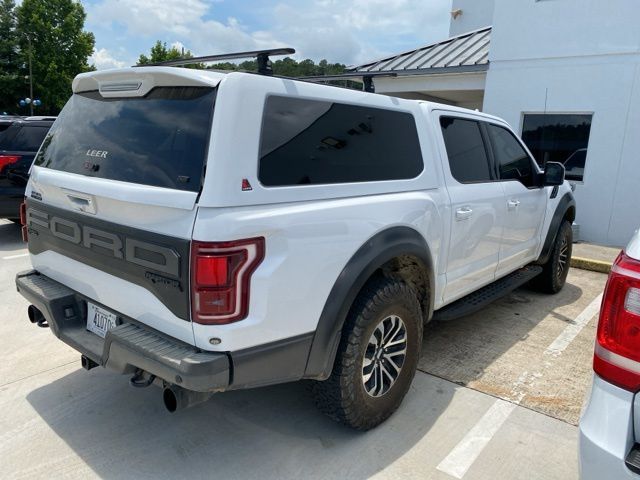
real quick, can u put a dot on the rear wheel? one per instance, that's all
(555, 271)
(377, 357)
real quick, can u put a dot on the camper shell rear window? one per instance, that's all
(160, 139)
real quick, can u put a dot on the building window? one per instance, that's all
(312, 142)
(558, 137)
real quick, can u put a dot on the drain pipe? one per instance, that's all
(177, 398)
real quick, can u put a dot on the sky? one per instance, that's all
(347, 31)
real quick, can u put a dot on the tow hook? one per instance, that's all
(139, 381)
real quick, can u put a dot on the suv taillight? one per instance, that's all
(8, 160)
(220, 279)
(617, 352)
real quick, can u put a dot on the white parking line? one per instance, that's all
(20, 255)
(572, 330)
(470, 447)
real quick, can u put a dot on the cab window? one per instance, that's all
(513, 161)
(466, 152)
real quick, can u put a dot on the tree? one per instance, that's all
(287, 67)
(160, 53)
(51, 33)
(10, 78)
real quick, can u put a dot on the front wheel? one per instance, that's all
(555, 271)
(377, 357)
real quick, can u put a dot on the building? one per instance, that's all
(564, 73)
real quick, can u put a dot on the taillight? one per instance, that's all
(23, 213)
(220, 279)
(8, 160)
(23, 221)
(617, 353)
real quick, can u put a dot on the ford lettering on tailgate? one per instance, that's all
(145, 258)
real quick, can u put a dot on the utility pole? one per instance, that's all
(30, 77)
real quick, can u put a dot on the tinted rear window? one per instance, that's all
(159, 140)
(23, 138)
(306, 142)
(465, 148)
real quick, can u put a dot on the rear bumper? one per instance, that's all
(606, 433)
(127, 347)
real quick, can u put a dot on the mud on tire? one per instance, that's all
(362, 391)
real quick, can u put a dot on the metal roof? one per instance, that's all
(465, 53)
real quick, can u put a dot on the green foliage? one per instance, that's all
(287, 67)
(160, 53)
(50, 32)
(10, 78)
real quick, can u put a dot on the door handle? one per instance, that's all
(81, 202)
(463, 213)
(513, 204)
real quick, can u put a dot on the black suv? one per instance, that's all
(20, 140)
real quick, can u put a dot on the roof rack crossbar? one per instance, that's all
(364, 77)
(262, 57)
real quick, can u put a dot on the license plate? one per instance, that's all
(99, 320)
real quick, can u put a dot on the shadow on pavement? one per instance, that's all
(272, 432)
(10, 237)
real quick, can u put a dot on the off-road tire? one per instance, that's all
(343, 396)
(554, 273)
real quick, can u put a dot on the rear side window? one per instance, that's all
(23, 138)
(468, 159)
(159, 140)
(513, 161)
(309, 142)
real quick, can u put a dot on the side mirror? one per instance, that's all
(553, 174)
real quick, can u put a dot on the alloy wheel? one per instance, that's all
(384, 356)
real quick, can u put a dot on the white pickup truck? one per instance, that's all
(206, 232)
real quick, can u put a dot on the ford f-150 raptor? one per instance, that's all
(206, 232)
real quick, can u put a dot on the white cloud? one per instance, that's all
(349, 32)
(103, 60)
(360, 30)
(148, 17)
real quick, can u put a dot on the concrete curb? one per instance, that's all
(590, 264)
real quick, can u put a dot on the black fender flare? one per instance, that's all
(378, 250)
(566, 202)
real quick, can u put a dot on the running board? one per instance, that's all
(481, 298)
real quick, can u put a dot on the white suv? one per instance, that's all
(209, 232)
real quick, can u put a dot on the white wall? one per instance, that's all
(578, 56)
(475, 14)
(525, 29)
